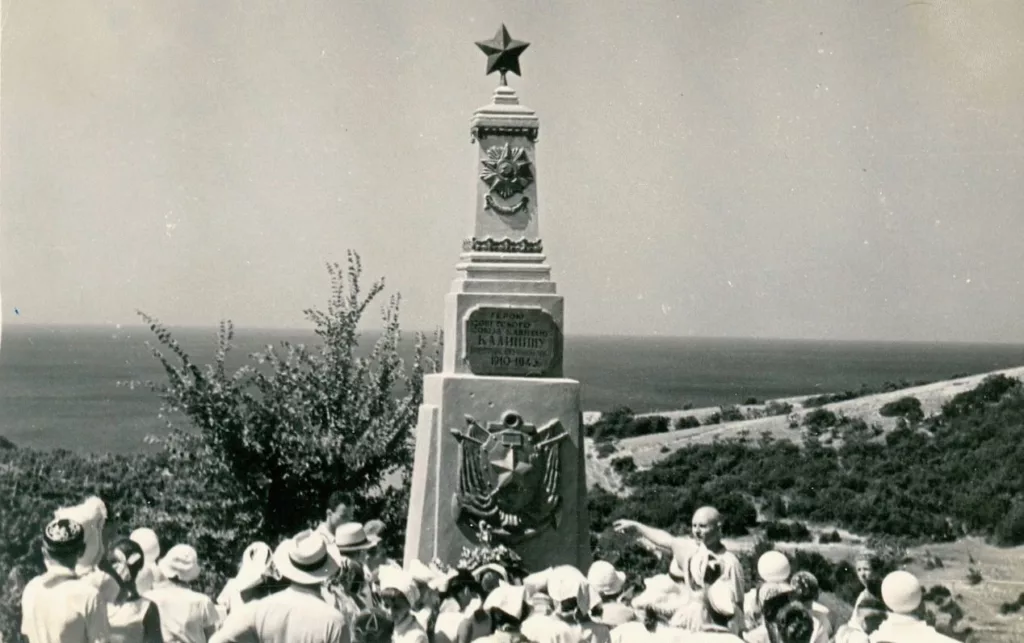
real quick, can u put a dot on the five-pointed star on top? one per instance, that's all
(503, 53)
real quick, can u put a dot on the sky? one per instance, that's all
(825, 169)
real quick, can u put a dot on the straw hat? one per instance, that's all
(508, 599)
(352, 537)
(604, 579)
(181, 562)
(305, 559)
(901, 592)
(146, 538)
(773, 567)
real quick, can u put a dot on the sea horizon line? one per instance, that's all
(213, 328)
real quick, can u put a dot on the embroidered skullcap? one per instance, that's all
(63, 535)
(773, 567)
(805, 585)
(901, 592)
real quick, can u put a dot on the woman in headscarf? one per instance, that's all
(507, 607)
(788, 621)
(133, 619)
(806, 590)
(772, 595)
(397, 596)
(252, 574)
(469, 622)
(654, 607)
(569, 591)
(863, 622)
(150, 574)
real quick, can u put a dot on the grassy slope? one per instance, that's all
(1002, 569)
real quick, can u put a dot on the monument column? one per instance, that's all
(499, 443)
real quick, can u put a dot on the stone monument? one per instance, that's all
(499, 443)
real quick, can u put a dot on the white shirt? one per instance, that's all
(184, 615)
(408, 630)
(548, 629)
(293, 615)
(897, 628)
(58, 607)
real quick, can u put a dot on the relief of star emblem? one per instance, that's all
(506, 170)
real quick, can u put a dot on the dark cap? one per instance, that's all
(63, 536)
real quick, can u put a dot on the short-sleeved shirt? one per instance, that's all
(185, 615)
(293, 615)
(59, 607)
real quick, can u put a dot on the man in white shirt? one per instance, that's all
(297, 614)
(58, 607)
(700, 560)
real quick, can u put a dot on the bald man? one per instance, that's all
(700, 560)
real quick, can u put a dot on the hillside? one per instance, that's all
(648, 449)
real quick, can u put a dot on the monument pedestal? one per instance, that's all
(433, 530)
(499, 447)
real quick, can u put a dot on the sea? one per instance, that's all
(82, 388)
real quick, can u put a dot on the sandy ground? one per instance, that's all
(1002, 570)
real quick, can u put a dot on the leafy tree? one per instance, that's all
(906, 407)
(298, 422)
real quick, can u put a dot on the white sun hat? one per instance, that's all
(604, 579)
(389, 577)
(507, 598)
(773, 567)
(305, 559)
(146, 538)
(180, 562)
(255, 563)
(567, 582)
(901, 592)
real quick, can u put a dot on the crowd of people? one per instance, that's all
(333, 584)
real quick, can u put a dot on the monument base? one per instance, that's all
(436, 528)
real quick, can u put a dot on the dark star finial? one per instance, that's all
(503, 53)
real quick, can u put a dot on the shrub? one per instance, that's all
(623, 465)
(731, 414)
(714, 418)
(793, 532)
(1010, 530)
(778, 408)
(826, 538)
(751, 401)
(298, 423)
(687, 422)
(906, 407)
(974, 576)
(820, 419)
(1014, 607)
(664, 449)
(937, 594)
(604, 449)
(991, 390)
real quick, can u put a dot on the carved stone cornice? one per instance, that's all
(525, 246)
(479, 132)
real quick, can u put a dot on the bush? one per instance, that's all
(793, 532)
(604, 449)
(906, 407)
(820, 419)
(1014, 607)
(731, 414)
(714, 418)
(687, 422)
(974, 576)
(778, 408)
(751, 401)
(991, 390)
(826, 538)
(297, 423)
(623, 465)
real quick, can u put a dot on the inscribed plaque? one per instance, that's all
(515, 342)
